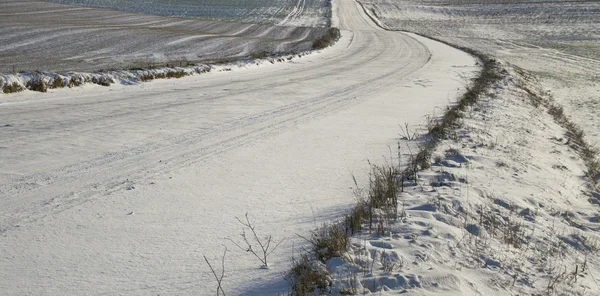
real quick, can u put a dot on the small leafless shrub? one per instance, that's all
(202, 70)
(557, 277)
(264, 248)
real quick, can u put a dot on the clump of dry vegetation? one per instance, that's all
(328, 38)
(375, 210)
(308, 277)
(12, 88)
(329, 241)
(103, 80)
(76, 81)
(441, 129)
(58, 82)
(147, 76)
(176, 74)
(37, 83)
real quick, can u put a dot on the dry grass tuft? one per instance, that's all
(329, 241)
(176, 74)
(103, 80)
(37, 83)
(146, 77)
(12, 88)
(58, 82)
(75, 81)
(308, 277)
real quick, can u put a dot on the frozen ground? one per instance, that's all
(306, 12)
(505, 208)
(45, 36)
(502, 211)
(559, 41)
(120, 190)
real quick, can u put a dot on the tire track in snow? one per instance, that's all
(295, 13)
(269, 141)
(288, 114)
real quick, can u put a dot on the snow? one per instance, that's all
(503, 211)
(121, 190)
(303, 12)
(505, 208)
(45, 36)
(558, 41)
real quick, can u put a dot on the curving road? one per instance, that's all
(121, 190)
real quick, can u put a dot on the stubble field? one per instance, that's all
(45, 36)
(558, 41)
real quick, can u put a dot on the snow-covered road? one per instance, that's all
(121, 190)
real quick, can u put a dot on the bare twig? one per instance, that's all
(265, 246)
(218, 278)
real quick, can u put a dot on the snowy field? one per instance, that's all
(45, 36)
(503, 210)
(506, 207)
(304, 12)
(121, 190)
(559, 41)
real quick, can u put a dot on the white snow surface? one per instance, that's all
(558, 41)
(121, 190)
(302, 12)
(504, 210)
(45, 36)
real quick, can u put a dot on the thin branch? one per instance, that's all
(264, 245)
(277, 245)
(218, 278)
